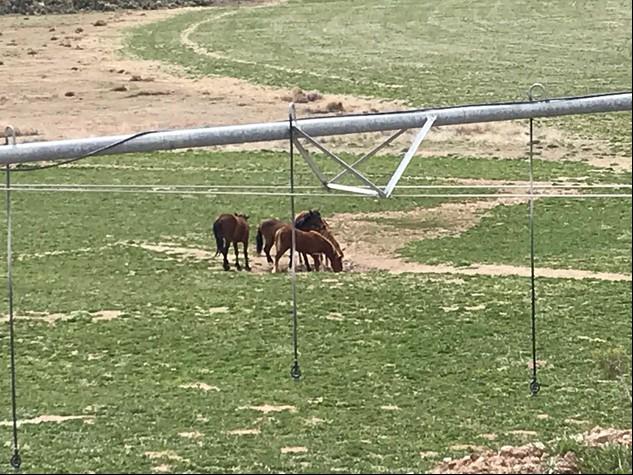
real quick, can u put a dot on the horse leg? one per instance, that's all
(267, 249)
(277, 257)
(225, 251)
(237, 259)
(307, 264)
(317, 261)
(247, 267)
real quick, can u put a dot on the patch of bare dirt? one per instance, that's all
(266, 408)
(599, 437)
(428, 454)
(530, 458)
(176, 250)
(191, 435)
(162, 468)
(165, 455)
(370, 244)
(53, 318)
(49, 418)
(294, 450)
(253, 431)
(106, 315)
(180, 253)
(201, 386)
(105, 93)
(63, 252)
(218, 310)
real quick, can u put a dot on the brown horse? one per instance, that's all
(306, 242)
(308, 221)
(326, 233)
(231, 228)
(318, 224)
(265, 238)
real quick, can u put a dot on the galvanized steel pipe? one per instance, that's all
(235, 134)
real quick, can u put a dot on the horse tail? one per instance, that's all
(259, 240)
(277, 238)
(219, 240)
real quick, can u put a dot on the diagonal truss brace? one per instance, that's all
(371, 153)
(370, 188)
(375, 190)
(419, 137)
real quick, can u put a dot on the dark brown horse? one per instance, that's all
(231, 228)
(310, 219)
(306, 242)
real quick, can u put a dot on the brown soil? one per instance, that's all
(49, 418)
(530, 458)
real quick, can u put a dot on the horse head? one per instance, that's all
(337, 263)
(310, 219)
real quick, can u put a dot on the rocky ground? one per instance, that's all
(44, 7)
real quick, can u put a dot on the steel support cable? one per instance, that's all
(534, 384)
(16, 460)
(295, 370)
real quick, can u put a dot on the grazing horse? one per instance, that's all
(307, 242)
(310, 220)
(318, 224)
(231, 228)
(265, 237)
(325, 232)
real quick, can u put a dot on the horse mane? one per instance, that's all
(329, 242)
(308, 216)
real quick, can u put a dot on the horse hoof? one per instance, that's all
(238, 267)
(226, 267)
(247, 268)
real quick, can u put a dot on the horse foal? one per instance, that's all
(306, 242)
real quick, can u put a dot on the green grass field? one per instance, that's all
(393, 365)
(573, 233)
(442, 54)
